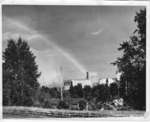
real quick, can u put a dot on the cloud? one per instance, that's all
(97, 32)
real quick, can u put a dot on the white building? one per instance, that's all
(91, 79)
(83, 82)
(104, 81)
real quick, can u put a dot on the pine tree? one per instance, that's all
(20, 74)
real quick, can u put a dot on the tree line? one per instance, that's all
(100, 92)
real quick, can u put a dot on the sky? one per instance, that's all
(68, 41)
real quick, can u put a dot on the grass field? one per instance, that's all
(33, 112)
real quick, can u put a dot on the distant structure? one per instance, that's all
(105, 80)
(61, 80)
(83, 82)
(90, 79)
(67, 84)
(93, 77)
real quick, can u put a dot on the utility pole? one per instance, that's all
(61, 80)
(61, 93)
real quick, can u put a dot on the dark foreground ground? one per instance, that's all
(33, 112)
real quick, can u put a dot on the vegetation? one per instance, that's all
(87, 92)
(101, 93)
(82, 104)
(114, 90)
(63, 105)
(76, 91)
(20, 74)
(132, 64)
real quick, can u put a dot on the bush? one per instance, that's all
(28, 102)
(92, 106)
(82, 104)
(47, 104)
(63, 105)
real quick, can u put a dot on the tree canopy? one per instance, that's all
(132, 64)
(20, 73)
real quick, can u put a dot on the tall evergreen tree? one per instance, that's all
(20, 74)
(132, 64)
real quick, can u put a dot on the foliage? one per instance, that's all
(76, 91)
(54, 92)
(132, 64)
(82, 104)
(47, 104)
(20, 74)
(101, 92)
(113, 90)
(71, 91)
(62, 105)
(47, 96)
(87, 92)
(98, 93)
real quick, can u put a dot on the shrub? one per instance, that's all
(82, 104)
(47, 104)
(63, 105)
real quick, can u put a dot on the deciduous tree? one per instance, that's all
(132, 64)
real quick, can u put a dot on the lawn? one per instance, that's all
(34, 112)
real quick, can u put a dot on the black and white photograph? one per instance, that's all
(74, 61)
